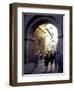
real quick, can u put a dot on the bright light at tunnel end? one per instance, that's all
(50, 33)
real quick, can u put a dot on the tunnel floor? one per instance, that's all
(29, 68)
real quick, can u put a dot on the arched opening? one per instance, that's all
(51, 27)
(42, 35)
(45, 38)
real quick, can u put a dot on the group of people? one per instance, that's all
(50, 57)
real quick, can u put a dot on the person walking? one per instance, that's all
(35, 61)
(52, 58)
(46, 62)
(59, 62)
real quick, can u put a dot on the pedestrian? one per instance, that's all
(52, 58)
(59, 62)
(46, 62)
(35, 60)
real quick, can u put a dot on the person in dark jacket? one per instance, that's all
(46, 62)
(52, 59)
(35, 60)
(59, 62)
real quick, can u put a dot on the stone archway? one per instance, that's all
(30, 29)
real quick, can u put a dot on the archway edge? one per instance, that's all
(42, 20)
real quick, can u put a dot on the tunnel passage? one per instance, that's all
(33, 27)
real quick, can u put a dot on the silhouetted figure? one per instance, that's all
(52, 58)
(46, 62)
(35, 60)
(59, 62)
